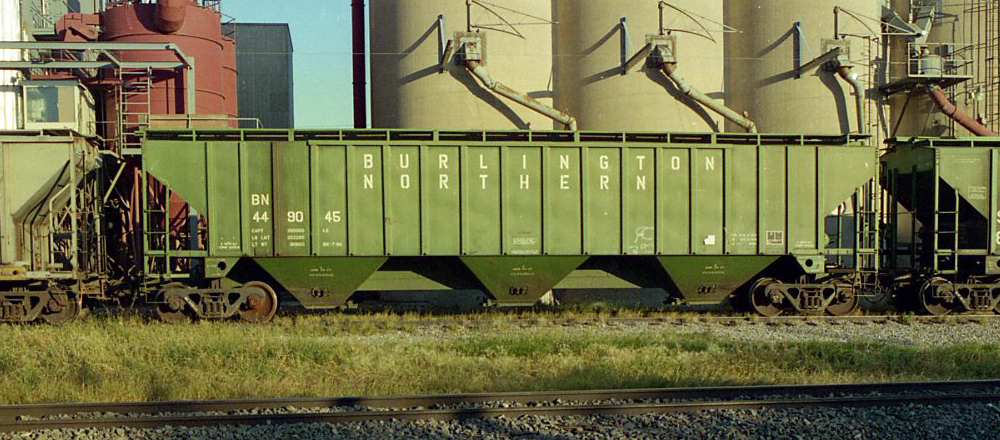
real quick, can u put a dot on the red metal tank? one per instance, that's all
(230, 75)
(197, 30)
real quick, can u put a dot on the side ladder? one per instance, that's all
(945, 250)
(867, 238)
(134, 106)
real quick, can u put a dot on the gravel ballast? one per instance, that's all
(959, 421)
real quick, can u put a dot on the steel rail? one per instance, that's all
(720, 320)
(664, 319)
(473, 320)
(184, 413)
(462, 414)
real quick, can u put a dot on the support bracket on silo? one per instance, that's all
(625, 46)
(800, 46)
(641, 55)
(664, 46)
(830, 55)
(446, 48)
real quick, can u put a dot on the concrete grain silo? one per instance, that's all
(769, 71)
(412, 88)
(595, 39)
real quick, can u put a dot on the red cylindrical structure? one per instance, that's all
(198, 34)
(229, 78)
(197, 31)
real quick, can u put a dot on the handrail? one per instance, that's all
(102, 48)
(187, 118)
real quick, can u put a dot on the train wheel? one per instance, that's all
(61, 309)
(764, 303)
(931, 304)
(172, 311)
(845, 303)
(261, 304)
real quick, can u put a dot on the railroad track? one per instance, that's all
(465, 406)
(713, 320)
(610, 318)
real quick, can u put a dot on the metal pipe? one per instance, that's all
(851, 77)
(360, 64)
(670, 69)
(170, 15)
(484, 76)
(937, 95)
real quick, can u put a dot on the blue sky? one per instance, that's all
(321, 37)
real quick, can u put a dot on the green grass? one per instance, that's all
(127, 359)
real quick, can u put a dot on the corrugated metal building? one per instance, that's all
(264, 65)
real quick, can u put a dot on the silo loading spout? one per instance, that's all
(670, 69)
(479, 71)
(941, 100)
(848, 75)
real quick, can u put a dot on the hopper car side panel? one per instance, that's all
(943, 220)
(321, 214)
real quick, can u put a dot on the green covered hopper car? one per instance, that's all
(943, 222)
(319, 215)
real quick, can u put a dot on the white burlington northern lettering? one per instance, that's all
(675, 163)
(564, 181)
(605, 179)
(443, 181)
(640, 182)
(710, 163)
(443, 161)
(564, 161)
(482, 163)
(404, 161)
(604, 162)
(524, 181)
(404, 181)
(483, 178)
(260, 199)
(641, 158)
(369, 181)
(369, 161)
